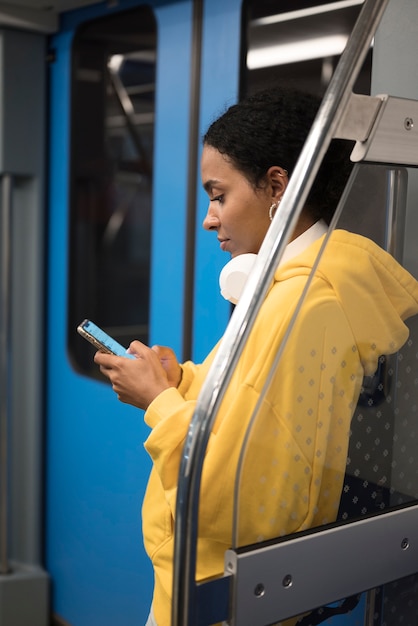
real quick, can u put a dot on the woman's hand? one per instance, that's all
(169, 362)
(139, 381)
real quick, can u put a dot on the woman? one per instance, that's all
(294, 463)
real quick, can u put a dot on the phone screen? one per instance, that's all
(101, 340)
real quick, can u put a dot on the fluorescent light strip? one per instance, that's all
(283, 54)
(293, 15)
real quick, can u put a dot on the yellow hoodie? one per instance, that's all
(294, 461)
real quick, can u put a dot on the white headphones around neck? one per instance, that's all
(234, 275)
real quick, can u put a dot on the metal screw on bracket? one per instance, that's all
(405, 543)
(259, 590)
(287, 581)
(408, 123)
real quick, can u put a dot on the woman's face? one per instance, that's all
(237, 211)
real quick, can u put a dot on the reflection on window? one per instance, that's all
(297, 46)
(112, 129)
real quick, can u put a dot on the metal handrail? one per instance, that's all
(323, 129)
(5, 368)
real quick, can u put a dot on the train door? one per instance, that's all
(124, 127)
(114, 73)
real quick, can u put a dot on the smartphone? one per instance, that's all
(101, 340)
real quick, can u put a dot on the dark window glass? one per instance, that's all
(112, 134)
(298, 46)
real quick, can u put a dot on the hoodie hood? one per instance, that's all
(376, 293)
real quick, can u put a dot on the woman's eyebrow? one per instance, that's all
(209, 184)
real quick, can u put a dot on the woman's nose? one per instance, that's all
(211, 221)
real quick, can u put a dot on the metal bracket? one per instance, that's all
(295, 575)
(358, 118)
(385, 129)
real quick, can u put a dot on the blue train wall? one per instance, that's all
(96, 466)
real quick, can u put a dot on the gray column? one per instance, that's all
(24, 584)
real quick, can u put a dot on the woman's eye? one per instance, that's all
(218, 199)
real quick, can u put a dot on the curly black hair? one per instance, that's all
(269, 128)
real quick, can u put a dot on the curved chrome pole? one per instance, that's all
(5, 386)
(242, 320)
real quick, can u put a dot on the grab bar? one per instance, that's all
(5, 338)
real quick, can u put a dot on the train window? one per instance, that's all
(297, 47)
(112, 128)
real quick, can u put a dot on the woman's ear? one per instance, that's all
(278, 179)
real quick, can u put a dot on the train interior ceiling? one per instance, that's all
(323, 28)
(299, 44)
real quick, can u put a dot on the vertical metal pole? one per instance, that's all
(5, 365)
(397, 182)
(369, 617)
(193, 160)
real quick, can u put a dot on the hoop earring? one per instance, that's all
(273, 209)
